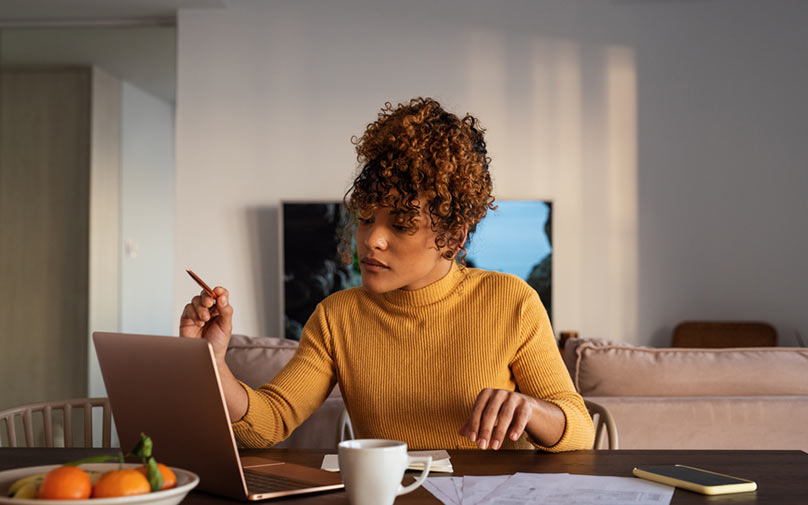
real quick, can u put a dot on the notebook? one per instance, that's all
(169, 388)
(441, 462)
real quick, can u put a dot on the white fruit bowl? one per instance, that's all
(185, 482)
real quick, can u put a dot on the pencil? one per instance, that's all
(201, 283)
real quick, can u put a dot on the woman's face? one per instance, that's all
(391, 257)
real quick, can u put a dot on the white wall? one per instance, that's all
(594, 105)
(145, 222)
(147, 213)
(723, 164)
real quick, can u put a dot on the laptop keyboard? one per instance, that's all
(258, 483)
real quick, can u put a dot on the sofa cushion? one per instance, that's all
(709, 422)
(256, 360)
(569, 352)
(608, 369)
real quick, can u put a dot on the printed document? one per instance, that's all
(547, 489)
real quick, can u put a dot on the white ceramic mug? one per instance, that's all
(372, 470)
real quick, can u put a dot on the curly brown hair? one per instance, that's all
(418, 148)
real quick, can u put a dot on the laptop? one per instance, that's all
(169, 389)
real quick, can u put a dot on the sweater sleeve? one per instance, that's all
(539, 371)
(278, 407)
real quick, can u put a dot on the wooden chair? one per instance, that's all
(723, 334)
(601, 418)
(605, 427)
(47, 412)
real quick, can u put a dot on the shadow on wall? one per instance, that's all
(661, 337)
(263, 235)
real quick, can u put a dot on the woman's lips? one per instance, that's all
(373, 265)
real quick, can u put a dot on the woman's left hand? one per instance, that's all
(498, 413)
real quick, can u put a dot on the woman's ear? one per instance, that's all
(465, 235)
(452, 253)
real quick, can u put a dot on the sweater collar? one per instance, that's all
(432, 293)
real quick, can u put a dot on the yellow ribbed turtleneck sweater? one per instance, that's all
(410, 364)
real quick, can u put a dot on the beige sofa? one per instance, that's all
(746, 398)
(677, 398)
(256, 360)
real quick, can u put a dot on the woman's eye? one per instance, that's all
(400, 227)
(365, 221)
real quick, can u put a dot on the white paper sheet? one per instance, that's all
(556, 489)
(444, 489)
(458, 483)
(475, 488)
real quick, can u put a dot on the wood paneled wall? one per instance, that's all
(46, 210)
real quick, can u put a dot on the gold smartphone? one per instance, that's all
(695, 479)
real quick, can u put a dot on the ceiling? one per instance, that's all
(94, 12)
(134, 40)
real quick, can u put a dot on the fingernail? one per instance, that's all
(495, 444)
(222, 301)
(514, 436)
(473, 437)
(483, 443)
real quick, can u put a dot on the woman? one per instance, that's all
(427, 351)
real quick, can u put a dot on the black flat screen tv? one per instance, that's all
(515, 238)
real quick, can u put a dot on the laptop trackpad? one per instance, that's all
(298, 472)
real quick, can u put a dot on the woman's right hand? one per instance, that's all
(209, 318)
(212, 319)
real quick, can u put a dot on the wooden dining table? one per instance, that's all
(781, 476)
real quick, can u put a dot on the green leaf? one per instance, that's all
(153, 474)
(96, 459)
(143, 449)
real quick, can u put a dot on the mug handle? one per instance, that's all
(427, 461)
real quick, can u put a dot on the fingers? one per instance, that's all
(205, 308)
(189, 326)
(200, 310)
(497, 414)
(502, 419)
(223, 309)
(490, 419)
(518, 425)
(471, 427)
(205, 305)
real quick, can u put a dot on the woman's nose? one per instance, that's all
(376, 238)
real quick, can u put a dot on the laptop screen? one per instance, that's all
(168, 388)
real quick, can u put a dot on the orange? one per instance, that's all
(169, 479)
(124, 482)
(66, 483)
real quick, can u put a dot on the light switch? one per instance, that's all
(130, 248)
